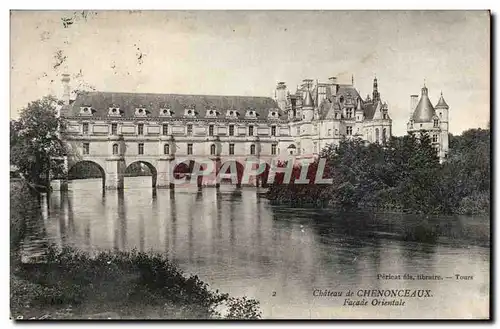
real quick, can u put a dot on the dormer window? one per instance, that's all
(211, 113)
(114, 111)
(232, 114)
(189, 112)
(251, 114)
(86, 110)
(140, 112)
(165, 112)
(273, 115)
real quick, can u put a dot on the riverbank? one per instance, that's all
(70, 284)
(474, 205)
(118, 285)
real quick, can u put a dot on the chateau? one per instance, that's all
(432, 120)
(114, 130)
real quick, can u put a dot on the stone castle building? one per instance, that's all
(431, 119)
(115, 129)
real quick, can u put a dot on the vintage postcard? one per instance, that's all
(250, 165)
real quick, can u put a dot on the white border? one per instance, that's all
(147, 4)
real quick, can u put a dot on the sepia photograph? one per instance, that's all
(250, 165)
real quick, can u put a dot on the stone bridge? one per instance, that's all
(166, 168)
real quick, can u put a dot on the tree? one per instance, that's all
(35, 145)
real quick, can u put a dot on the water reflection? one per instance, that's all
(238, 243)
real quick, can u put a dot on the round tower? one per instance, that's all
(442, 110)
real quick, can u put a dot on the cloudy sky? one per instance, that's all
(247, 52)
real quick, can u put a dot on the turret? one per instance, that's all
(442, 109)
(308, 107)
(359, 111)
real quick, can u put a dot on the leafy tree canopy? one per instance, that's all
(35, 146)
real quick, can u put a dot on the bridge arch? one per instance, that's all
(136, 168)
(86, 169)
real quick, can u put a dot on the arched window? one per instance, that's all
(212, 149)
(252, 149)
(376, 135)
(166, 149)
(384, 134)
(115, 149)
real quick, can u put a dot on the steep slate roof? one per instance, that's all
(441, 103)
(327, 108)
(128, 102)
(369, 109)
(424, 112)
(308, 101)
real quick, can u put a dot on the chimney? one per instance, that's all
(413, 103)
(280, 94)
(66, 89)
(334, 85)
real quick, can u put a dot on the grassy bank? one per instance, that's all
(117, 285)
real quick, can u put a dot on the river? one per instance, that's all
(284, 257)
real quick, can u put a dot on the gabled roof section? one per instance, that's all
(128, 102)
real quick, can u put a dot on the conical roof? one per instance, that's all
(442, 103)
(424, 112)
(308, 100)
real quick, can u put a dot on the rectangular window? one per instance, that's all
(250, 130)
(114, 129)
(252, 149)
(140, 149)
(85, 128)
(140, 129)
(349, 113)
(349, 130)
(189, 130)
(165, 129)
(298, 130)
(190, 149)
(231, 130)
(210, 130)
(231, 149)
(273, 149)
(434, 138)
(86, 148)
(273, 131)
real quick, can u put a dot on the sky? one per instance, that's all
(248, 52)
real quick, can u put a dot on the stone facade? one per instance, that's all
(115, 130)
